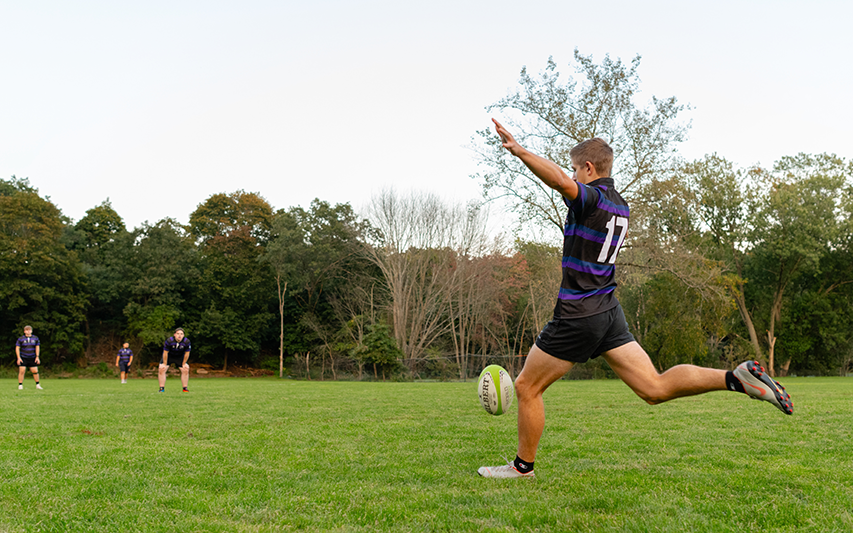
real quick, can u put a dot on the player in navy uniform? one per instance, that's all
(176, 351)
(27, 351)
(123, 360)
(588, 320)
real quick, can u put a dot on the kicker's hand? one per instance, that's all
(507, 140)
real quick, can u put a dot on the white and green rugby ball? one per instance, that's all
(495, 390)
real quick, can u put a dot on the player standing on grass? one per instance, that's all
(176, 350)
(588, 320)
(27, 351)
(123, 360)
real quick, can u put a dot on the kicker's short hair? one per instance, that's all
(597, 152)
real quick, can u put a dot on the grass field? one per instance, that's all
(279, 455)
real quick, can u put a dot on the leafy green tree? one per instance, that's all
(725, 200)
(105, 248)
(232, 298)
(99, 229)
(379, 350)
(223, 214)
(768, 228)
(318, 254)
(796, 224)
(40, 279)
(163, 273)
(676, 323)
(549, 115)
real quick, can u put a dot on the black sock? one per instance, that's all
(521, 466)
(162, 388)
(733, 383)
(37, 382)
(20, 383)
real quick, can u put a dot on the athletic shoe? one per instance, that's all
(185, 390)
(123, 381)
(20, 387)
(760, 386)
(161, 390)
(39, 387)
(504, 471)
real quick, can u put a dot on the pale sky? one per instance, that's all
(160, 104)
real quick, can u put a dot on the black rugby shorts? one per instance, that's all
(123, 366)
(580, 339)
(177, 360)
(28, 362)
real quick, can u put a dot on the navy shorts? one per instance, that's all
(28, 362)
(123, 365)
(178, 361)
(580, 339)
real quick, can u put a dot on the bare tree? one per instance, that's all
(418, 238)
(473, 292)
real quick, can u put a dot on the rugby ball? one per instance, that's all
(495, 390)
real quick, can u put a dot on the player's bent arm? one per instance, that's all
(165, 355)
(186, 357)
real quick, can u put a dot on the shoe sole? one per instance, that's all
(783, 399)
(519, 476)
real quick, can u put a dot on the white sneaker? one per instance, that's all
(124, 381)
(760, 386)
(504, 471)
(39, 387)
(20, 387)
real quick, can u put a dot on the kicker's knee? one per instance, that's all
(524, 389)
(652, 396)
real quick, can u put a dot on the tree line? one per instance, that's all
(721, 263)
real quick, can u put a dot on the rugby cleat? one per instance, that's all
(504, 471)
(20, 387)
(761, 386)
(39, 387)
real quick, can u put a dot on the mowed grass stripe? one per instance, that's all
(279, 455)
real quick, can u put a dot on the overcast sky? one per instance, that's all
(159, 104)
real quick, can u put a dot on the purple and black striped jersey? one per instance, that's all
(595, 229)
(125, 354)
(28, 346)
(176, 348)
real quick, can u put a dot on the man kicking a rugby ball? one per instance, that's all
(588, 320)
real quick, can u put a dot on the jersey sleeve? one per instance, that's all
(188, 347)
(38, 343)
(586, 202)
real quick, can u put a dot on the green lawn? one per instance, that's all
(279, 455)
